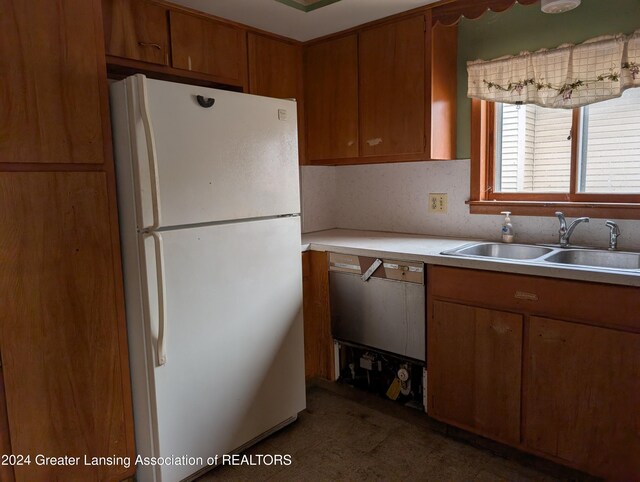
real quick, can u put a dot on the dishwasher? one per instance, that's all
(378, 303)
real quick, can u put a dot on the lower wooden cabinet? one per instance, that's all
(497, 342)
(474, 360)
(318, 343)
(6, 471)
(62, 332)
(582, 397)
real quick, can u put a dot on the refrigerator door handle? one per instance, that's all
(161, 348)
(151, 150)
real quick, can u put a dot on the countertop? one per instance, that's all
(412, 247)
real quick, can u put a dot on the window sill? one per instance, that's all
(549, 208)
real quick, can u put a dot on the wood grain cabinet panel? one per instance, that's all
(51, 70)
(136, 29)
(318, 342)
(204, 45)
(559, 298)
(275, 70)
(63, 343)
(392, 88)
(474, 369)
(331, 99)
(580, 379)
(275, 67)
(6, 471)
(581, 398)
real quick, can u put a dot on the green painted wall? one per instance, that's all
(526, 28)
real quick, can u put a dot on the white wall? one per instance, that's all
(393, 197)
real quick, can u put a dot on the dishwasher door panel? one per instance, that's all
(380, 313)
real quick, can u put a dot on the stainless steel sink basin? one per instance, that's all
(502, 251)
(528, 253)
(600, 259)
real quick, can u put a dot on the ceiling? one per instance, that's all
(276, 17)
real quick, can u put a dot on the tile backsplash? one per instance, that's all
(394, 197)
(318, 198)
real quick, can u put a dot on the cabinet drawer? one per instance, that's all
(600, 304)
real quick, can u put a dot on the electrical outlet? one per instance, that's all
(438, 202)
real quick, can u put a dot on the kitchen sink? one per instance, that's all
(600, 259)
(502, 251)
(589, 257)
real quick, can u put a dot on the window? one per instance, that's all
(567, 135)
(542, 159)
(534, 149)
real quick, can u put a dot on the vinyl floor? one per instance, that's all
(350, 435)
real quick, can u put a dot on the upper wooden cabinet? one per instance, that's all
(392, 88)
(275, 70)
(137, 30)
(386, 93)
(51, 71)
(204, 45)
(331, 99)
(275, 67)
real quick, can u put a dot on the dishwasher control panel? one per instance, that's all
(408, 271)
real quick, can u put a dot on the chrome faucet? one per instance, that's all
(564, 233)
(614, 234)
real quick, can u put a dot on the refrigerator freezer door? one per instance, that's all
(234, 339)
(236, 159)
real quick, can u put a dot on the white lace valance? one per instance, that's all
(566, 77)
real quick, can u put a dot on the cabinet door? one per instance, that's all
(331, 99)
(6, 471)
(581, 398)
(51, 70)
(473, 367)
(203, 45)
(275, 70)
(62, 335)
(392, 88)
(136, 29)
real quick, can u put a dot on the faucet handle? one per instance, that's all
(563, 223)
(614, 234)
(613, 226)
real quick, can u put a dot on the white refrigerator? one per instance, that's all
(208, 197)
